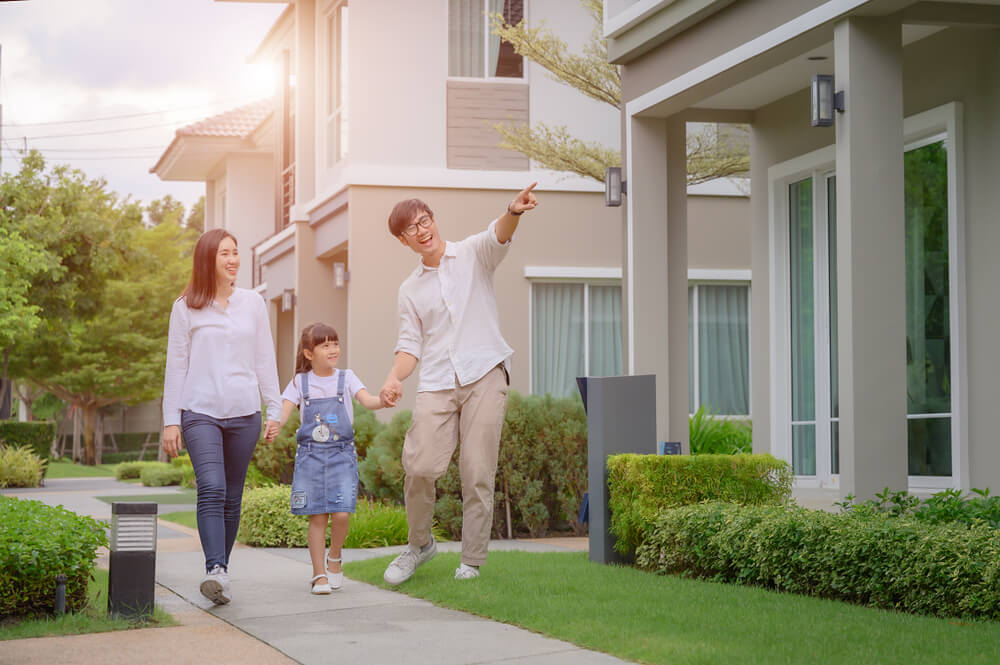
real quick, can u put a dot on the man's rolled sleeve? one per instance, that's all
(411, 339)
(489, 250)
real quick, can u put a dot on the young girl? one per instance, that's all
(325, 483)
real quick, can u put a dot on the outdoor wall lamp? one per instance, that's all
(824, 100)
(614, 186)
(132, 569)
(287, 300)
(340, 275)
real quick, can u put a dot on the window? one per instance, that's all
(719, 348)
(337, 76)
(473, 49)
(576, 330)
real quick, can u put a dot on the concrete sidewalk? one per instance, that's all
(274, 619)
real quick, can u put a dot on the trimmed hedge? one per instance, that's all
(895, 563)
(126, 470)
(38, 542)
(267, 521)
(37, 435)
(276, 460)
(20, 467)
(160, 474)
(640, 486)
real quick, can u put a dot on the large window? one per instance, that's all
(719, 348)
(473, 49)
(576, 330)
(336, 102)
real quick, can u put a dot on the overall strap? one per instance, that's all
(340, 385)
(304, 382)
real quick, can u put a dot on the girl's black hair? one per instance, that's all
(312, 336)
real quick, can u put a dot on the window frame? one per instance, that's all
(940, 123)
(523, 78)
(336, 63)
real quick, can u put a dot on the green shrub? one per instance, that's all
(255, 478)
(182, 461)
(36, 435)
(949, 505)
(640, 486)
(267, 521)
(866, 558)
(381, 471)
(38, 542)
(276, 460)
(366, 428)
(159, 474)
(123, 456)
(20, 467)
(127, 470)
(712, 435)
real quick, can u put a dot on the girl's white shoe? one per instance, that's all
(320, 589)
(336, 579)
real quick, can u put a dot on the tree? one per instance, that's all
(711, 154)
(19, 261)
(167, 209)
(104, 310)
(196, 218)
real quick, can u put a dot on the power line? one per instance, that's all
(117, 117)
(109, 131)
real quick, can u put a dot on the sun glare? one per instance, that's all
(259, 79)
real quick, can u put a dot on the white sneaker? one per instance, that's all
(466, 572)
(215, 586)
(404, 565)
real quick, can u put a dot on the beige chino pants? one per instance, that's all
(474, 415)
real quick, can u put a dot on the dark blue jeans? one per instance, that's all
(220, 450)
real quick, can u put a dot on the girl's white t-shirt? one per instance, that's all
(325, 386)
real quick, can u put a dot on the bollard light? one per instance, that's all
(60, 595)
(132, 570)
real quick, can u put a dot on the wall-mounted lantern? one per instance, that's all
(287, 300)
(614, 186)
(824, 100)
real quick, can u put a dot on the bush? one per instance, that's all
(38, 542)
(640, 486)
(943, 507)
(124, 456)
(381, 471)
(20, 467)
(255, 478)
(866, 558)
(159, 474)
(366, 428)
(276, 460)
(267, 521)
(127, 470)
(36, 435)
(713, 435)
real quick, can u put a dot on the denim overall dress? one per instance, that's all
(326, 464)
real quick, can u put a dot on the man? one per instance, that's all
(448, 322)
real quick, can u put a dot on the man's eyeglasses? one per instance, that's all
(422, 223)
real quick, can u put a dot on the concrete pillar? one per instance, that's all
(656, 268)
(871, 256)
(305, 102)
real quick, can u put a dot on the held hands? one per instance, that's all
(525, 200)
(271, 428)
(391, 391)
(171, 440)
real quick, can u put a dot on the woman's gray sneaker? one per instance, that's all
(404, 565)
(215, 586)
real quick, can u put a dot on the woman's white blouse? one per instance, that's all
(220, 361)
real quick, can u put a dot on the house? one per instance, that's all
(873, 239)
(384, 100)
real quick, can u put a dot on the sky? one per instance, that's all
(103, 84)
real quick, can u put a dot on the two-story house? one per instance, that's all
(873, 223)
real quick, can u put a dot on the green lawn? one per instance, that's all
(671, 621)
(93, 619)
(188, 518)
(184, 496)
(63, 469)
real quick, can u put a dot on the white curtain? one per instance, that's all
(495, 7)
(605, 330)
(466, 32)
(723, 349)
(556, 338)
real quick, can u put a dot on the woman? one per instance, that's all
(220, 360)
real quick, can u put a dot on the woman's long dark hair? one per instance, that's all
(200, 291)
(312, 336)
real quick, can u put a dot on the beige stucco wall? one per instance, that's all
(952, 65)
(718, 232)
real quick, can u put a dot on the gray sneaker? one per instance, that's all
(215, 586)
(404, 565)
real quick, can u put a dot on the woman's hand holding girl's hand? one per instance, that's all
(270, 430)
(171, 440)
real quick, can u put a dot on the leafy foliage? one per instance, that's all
(20, 467)
(640, 486)
(267, 521)
(718, 436)
(160, 474)
(276, 460)
(866, 558)
(943, 507)
(38, 542)
(381, 472)
(127, 470)
(35, 435)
